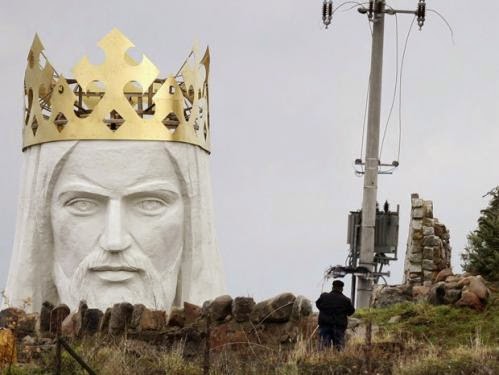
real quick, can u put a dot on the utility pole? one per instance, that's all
(365, 284)
(367, 270)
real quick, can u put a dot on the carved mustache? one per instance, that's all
(130, 261)
(115, 268)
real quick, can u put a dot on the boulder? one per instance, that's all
(452, 296)
(192, 312)
(45, 316)
(104, 327)
(443, 275)
(394, 319)
(385, 295)
(437, 294)
(301, 307)
(121, 316)
(26, 325)
(471, 300)
(138, 309)
(241, 308)
(68, 326)
(420, 293)
(220, 307)
(91, 321)
(57, 316)
(78, 317)
(10, 317)
(177, 318)
(274, 310)
(478, 287)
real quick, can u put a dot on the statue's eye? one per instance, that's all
(151, 206)
(83, 206)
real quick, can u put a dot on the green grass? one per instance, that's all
(443, 325)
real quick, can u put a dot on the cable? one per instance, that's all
(445, 21)
(396, 84)
(400, 85)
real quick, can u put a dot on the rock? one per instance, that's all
(454, 278)
(394, 319)
(220, 307)
(428, 252)
(68, 326)
(241, 308)
(418, 213)
(8, 353)
(177, 318)
(28, 340)
(121, 315)
(57, 316)
(417, 225)
(26, 325)
(437, 294)
(10, 317)
(384, 296)
(440, 230)
(138, 309)
(452, 296)
(428, 209)
(45, 316)
(353, 322)
(420, 293)
(153, 320)
(429, 222)
(478, 287)
(301, 307)
(464, 281)
(192, 312)
(78, 317)
(442, 275)
(428, 231)
(428, 265)
(471, 300)
(416, 258)
(416, 202)
(274, 310)
(432, 241)
(104, 327)
(91, 321)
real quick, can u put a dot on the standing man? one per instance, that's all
(334, 308)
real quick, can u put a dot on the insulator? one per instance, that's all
(421, 13)
(371, 9)
(327, 12)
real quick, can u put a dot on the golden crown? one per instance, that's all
(119, 99)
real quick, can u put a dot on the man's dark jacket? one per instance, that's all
(334, 308)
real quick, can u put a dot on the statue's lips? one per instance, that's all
(115, 273)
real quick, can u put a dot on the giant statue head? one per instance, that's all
(116, 195)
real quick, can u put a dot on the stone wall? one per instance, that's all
(220, 323)
(428, 248)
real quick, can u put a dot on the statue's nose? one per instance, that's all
(115, 237)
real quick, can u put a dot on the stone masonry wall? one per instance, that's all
(428, 248)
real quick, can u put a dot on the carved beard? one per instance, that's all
(148, 287)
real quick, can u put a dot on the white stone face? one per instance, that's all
(117, 217)
(114, 221)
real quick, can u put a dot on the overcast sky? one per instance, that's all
(287, 103)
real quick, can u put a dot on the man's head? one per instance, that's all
(117, 216)
(338, 285)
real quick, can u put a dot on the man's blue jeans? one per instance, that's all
(331, 335)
